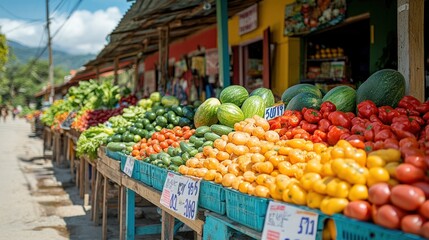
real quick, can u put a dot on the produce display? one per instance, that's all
(359, 153)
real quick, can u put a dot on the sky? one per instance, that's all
(81, 31)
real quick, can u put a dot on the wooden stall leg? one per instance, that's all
(104, 224)
(72, 156)
(81, 177)
(86, 184)
(97, 197)
(93, 192)
(130, 218)
(167, 232)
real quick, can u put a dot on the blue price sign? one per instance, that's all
(288, 222)
(274, 111)
(180, 194)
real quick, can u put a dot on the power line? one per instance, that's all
(68, 17)
(22, 25)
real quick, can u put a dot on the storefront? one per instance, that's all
(342, 42)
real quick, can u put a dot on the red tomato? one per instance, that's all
(408, 173)
(416, 160)
(389, 216)
(391, 143)
(379, 193)
(424, 186)
(407, 197)
(424, 231)
(424, 209)
(357, 143)
(360, 210)
(408, 142)
(412, 223)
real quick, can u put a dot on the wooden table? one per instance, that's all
(168, 216)
(108, 169)
(47, 140)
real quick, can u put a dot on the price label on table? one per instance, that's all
(180, 194)
(274, 111)
(129, 166)
(285, 222)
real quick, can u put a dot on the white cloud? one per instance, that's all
(84, 32)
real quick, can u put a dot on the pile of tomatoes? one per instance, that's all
(160, 141)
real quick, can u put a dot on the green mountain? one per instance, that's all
(65, 60)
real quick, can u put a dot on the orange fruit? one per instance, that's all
(259, 132)
(240, 150)
(228, 179)
(210, 175)
(249, 176)
(243, 187)
(219, 144)
(229, 148)
(262, 191)
(240, 138)
(271, 136)
(218, 178)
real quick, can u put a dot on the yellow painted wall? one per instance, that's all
(286, 65)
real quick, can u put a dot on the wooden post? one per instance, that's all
(222, 41)
(116, 62)
(136, 75)
(122, 227)
(411, 45)
(167, 232)
(104, 224)
(163, 56)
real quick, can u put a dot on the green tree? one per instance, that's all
(4, 51)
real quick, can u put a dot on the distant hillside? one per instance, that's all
(67, 61)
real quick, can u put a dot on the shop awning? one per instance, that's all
(137, 32)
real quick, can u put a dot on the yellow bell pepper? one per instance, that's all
(314, 199)
(320, 185)
(349, 170)
(313, 166)
(388, 155)
(327, 170)
(377, 175)
(325, 155)
(338, 188)
(331, 206)
(298, 194)
(375, 161)
(308, 179)
(358, 192)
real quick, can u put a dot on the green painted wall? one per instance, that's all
(383, 52)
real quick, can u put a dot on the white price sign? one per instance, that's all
(285, 222)
(274, 111)
(129, 166)
(180, 194)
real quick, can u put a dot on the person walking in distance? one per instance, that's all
(4, 113)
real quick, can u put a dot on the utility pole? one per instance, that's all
(51, 62)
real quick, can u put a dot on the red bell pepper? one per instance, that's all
(409, 102)
(312, 115)
(309, 127)
(326, 108)
(423, 108)
(338, 118)
(335, 133)
(358, 129)
(387, 113)
(324, 125)
(321, 135)
(383, 135)
(366, 109)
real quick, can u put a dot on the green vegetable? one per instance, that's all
(206, 114)
(294, 90)
(234, 94)
(229, 114)
(221, 129)
(254, 105)
(344, 98)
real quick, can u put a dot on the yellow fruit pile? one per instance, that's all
(255, 161)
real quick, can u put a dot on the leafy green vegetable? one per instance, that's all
(91, 139)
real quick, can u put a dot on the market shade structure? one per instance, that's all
(137, 34)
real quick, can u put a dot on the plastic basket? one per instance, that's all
(113, 155)
(145, 173)
(158, 177)
(348, 228)
(245, 209)
(212, 197)
(136, 168)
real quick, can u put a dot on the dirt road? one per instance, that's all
(37, 200)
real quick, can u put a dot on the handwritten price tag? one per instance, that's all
(129, 166)
(289, 223)
(274, 111)
(180, 194)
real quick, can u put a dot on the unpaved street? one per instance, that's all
(37, 200)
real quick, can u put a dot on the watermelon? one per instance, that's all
(344, 98)
(206, 113)
(291, 92)
(303, 100)
(266, 94)
(385, 88)
(254, 105)
(235, 94)
(168, 101)
(229, 114)
(155, 97)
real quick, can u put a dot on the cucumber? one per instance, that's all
(185, 147)
(116, 146)
(211, 136)
(177, 161)
(199, 132)
(221, 129)
(193, 138)
(166, 160)
(199, 143)
(208, 143)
